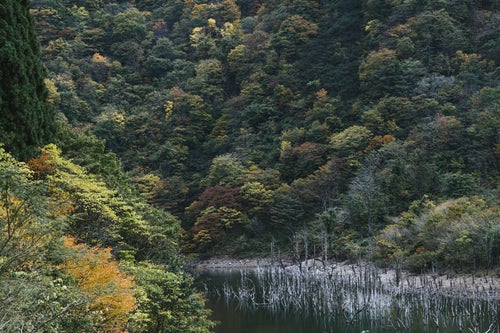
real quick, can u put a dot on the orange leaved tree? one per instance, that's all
(110, 292)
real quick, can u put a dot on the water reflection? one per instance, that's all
(275, 301)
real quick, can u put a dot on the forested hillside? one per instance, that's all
(338, 129)
(357, 128)
(80, 249)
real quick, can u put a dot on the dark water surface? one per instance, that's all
(384, 315)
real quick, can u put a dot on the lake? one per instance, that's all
(275, 301)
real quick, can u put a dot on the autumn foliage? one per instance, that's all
(110, 292)
(42, 165)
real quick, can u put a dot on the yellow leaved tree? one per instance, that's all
(110, 292)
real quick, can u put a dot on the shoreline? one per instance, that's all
(480, 286)
(225, 263)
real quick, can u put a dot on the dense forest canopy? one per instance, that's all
(254, 121)
(345, 129)
(80, 249)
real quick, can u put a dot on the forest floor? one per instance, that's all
(481, 284)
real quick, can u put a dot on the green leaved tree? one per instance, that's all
(26, 119)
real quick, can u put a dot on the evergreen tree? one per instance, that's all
(26, 119)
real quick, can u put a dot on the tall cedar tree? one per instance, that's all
(26, 119)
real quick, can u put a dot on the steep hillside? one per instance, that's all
(300, 122)
(80, 249)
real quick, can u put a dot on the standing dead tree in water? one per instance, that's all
(364, 293)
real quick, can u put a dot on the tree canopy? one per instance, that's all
(27, 120)
(366, 128)
(249, 121)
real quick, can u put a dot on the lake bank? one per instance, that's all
(480, 285)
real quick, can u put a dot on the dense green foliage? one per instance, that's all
(131, 279)
(341, 129)
(26, 119)
(262, 121)
(80, 249)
